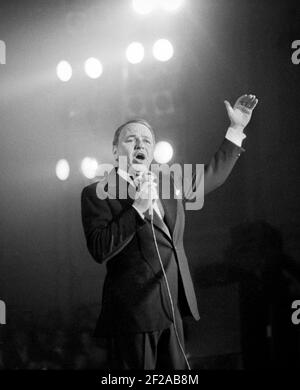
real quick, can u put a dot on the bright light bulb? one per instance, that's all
(143, 7)
(64, 71)
(135, 53)
(62, 169)
(89, 167)
(163, 152)
(93, 68)
(163, 50)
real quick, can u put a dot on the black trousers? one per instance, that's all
(149, 350)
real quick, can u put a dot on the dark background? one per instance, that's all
(222, 49)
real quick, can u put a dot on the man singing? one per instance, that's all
(148, 286)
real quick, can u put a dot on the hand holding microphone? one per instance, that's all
(146, 188)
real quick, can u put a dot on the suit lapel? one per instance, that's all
(170, 208)
(168, 224)
(159, 224)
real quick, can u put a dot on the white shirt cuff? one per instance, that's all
(236, 136)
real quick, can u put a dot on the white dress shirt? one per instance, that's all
(236, 136)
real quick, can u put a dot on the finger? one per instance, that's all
(248, 101)
(146, 178)
(149, 193)
(145, 193)
(147, 186)
(228, 106)
(253, 104)
(150, 182)
(144, 186)
(251, 99)
(151, 176)
(150, 185)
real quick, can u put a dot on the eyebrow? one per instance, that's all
(133, 135)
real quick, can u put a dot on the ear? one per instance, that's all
(115, 152)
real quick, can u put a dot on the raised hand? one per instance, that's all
(240, 114)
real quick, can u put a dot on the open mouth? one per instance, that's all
(140, 157)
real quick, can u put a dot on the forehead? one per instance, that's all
(136, 129)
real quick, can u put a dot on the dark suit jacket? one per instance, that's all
(135, 297)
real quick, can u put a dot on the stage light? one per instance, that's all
(171, 5)
(163, 50)
(135, 53)
(163, 152)
(143, 7)
(62, 169)
(93, 68)
(64, 71)
(89, 167)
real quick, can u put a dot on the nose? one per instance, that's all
(139, 143)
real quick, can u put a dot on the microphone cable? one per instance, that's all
(169, 292)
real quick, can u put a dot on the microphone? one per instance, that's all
(138, 171)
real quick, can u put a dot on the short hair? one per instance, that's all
(119, 129)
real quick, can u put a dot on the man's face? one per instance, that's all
(136, 143)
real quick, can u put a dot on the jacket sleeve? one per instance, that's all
(106, 234)
(217, 170)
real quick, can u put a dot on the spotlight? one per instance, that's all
(143, 7)
(135, 53)
(163, 152)
(62, 169)
(93, 68)
(171, 5)
(163, 50)
(64, 71)
(89, 167)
